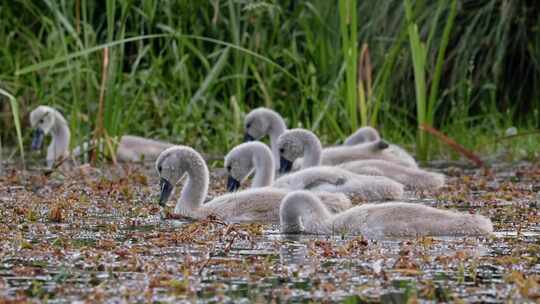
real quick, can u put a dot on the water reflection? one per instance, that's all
(293, 253)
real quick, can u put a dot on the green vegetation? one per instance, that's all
(15, 111)
(184, 70)
(349, 44)
(426, 109)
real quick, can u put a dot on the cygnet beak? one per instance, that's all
(248, 137)
(382, 145)
(37, 139)
(166, 190)
(285, 165)
(232, 184)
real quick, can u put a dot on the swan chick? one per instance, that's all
(301, 212)
(261, 122)
(136, 149)
(245, 158)
(370, 134)
(46, 120)
(256, 157)
(301, 148)
(253, 205)
(333, 179)
(413, 178)
(362, 135)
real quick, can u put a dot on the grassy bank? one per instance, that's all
(186, 71)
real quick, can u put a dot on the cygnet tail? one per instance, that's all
(394, 191)
(471, 224)
(481, 224)
(383, 189)
(387, 189)
(425, 181)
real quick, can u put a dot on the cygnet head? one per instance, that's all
(243, 159)
(362, 135)
(239, 164)
(370, 148)
(258, 123)
(171, 166)
(42, 120)
(379, 145)
(293, 144)
(296, 204)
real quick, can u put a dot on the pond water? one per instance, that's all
(98, 235)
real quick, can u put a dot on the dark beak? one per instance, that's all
(382, 145)
(285, 165)
(166, 190)
(248, 137)
(37, 139)
(232, 184)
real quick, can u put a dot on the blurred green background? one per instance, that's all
(187, 71)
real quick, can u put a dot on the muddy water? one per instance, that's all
(97, 235)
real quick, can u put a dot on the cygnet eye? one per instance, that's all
(248, 125)
(229, 168)
(281, 150)
(41, 121)
(159, 168)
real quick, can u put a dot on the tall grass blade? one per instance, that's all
(384, 77)
(267, 98)
(212, 75)
(99, 131)
(418, 54)
(60, 59)
(57, 60)
(434, 89)
(364, 84)
(16, 120)
(349, 40)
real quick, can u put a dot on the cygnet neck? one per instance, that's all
(196, 186)
(59, 147)
(312, 149)
(264, 166)
(276, 128)
(298, 205)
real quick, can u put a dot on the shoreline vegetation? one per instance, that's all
(187, 72)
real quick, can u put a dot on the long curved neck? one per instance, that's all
(264, 167)
(353, 139)
(277, 127)
(196, 187)
(297, 210)
(312, 151)
(362, 135)
(59, 146)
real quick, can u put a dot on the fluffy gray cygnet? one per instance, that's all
(256, 157)
(47, 120)
(302, 212)
(253, 205)
(370, 134)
